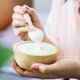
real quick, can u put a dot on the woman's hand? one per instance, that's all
(63, 68)
(19, 24)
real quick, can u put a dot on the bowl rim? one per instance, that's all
(15, 45)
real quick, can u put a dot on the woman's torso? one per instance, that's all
(63, 28)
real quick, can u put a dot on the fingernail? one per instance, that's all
(27, 6)
(35, 68)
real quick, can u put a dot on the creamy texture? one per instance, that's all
(37, 48)
(36, 35)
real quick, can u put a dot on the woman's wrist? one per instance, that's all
(46, 39)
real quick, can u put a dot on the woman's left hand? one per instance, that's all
(63, 68)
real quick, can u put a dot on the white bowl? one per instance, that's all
(26, 55)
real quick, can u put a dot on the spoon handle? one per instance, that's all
(28, 19)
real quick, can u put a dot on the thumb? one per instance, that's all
(43, 68)
(33, 15)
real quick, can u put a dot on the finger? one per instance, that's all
(38, 75)
(31, 74)
(23, 36)
(46, 69)
(17, 23)
(13, 63)
(18, 17)
(20, 30)
(18, 9)
(16, 67)
(33, 15)
(19, 70)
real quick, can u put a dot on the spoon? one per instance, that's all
(34, 33)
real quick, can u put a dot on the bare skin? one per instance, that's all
(62, 68)
(20, 24)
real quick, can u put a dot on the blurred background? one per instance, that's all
(7, 37)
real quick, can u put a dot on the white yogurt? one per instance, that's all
(37, 48)
(36, 35)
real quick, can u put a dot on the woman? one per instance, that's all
(61, 29)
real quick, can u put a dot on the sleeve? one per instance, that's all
(53, 21)
(62, 29)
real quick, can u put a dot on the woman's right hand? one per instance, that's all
(20, 25)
